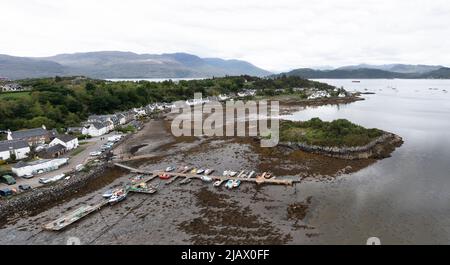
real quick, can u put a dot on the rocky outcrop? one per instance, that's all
(381, 147)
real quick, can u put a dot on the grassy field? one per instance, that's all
(321, 133)
(78, 151)
(14, 95)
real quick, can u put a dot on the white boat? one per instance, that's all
(229, 184)
(218, 183)
(226, 173)
(209, 171)
(117, 196)
(236, 183)
(108, 194)
(170, 169)
(200, 171)
(206, 179)
(232, 173)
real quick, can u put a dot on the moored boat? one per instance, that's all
(185, 169)
(236, 183)
(165, 176)
(206, 179)
(200, 171)
(229, 184)
(218, 183)
(117, 196)
(107, 194)
(170, 169)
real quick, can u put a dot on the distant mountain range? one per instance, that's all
(364, 71)
(113, 64)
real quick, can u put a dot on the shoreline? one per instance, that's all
(155, 139)
(379, 148)
(45, 197)
(291, 105)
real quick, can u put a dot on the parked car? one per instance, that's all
(6, 192)
(52, 179)
(24, 187)
(8, 179)
(79, 167)
(44, 180)
(95, 153)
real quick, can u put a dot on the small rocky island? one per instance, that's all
(339, 139)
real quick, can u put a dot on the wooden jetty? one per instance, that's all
(74, 216)
(132, 169)
(141, 187)
(258, 180)
(225, 178)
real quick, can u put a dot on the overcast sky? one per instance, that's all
(275, 35)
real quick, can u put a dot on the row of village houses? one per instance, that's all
(50, 144)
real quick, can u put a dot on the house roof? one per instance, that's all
(24, 134)
(99, 125)
(22, 164)
(65, 137)
(13, 144)
(55, 149)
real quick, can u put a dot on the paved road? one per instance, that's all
(90, 145)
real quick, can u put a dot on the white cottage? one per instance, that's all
(96, 129)
(18, 148)
(68, 141)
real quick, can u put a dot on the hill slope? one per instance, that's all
(113, 64)
(367, 73)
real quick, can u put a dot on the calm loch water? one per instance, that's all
(404, 199)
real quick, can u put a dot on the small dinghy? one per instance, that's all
(229, 184)
(108, 194)
(170, 169)
(236, 183)
(164, 176)
(206, 179)
(200, 171)
(218, 183)
(117, 196)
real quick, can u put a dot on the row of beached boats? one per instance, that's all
(205, 172)
(138, 185)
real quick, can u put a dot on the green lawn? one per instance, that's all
(14, 95)
(77, 151)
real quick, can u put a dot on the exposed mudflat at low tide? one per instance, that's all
(196, 213)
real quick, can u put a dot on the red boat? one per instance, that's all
(165, 176)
